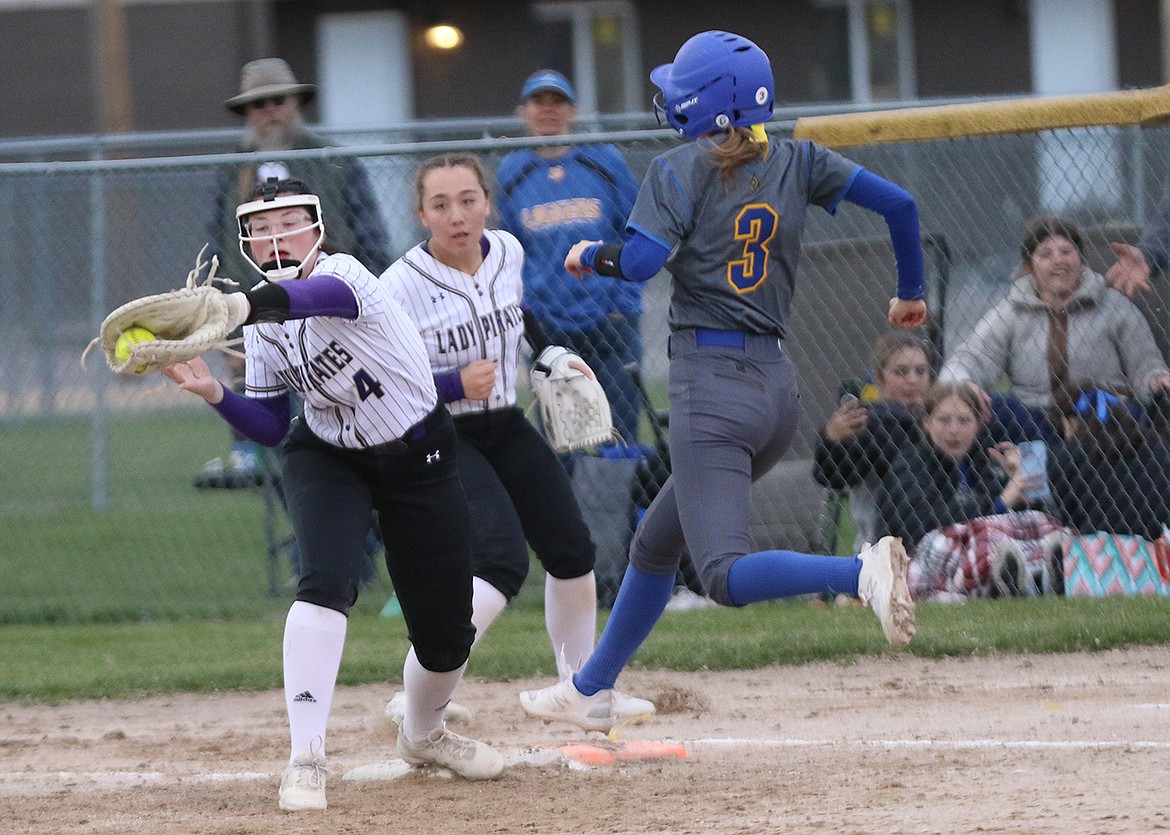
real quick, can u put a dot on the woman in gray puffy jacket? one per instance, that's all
(1060, 322)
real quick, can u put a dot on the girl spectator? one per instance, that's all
(862, 439)
(1113, 474)
(952, 501)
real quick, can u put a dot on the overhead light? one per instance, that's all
(443, 36)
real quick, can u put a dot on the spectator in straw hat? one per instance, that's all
(270, 100)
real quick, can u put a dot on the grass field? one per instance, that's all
(166, 590)
(50, 662)
(159, 550)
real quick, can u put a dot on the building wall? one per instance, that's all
(185, 61)
(483, 76)
(47, 89)
(971, 47)
(185, 57)
(1139, 54)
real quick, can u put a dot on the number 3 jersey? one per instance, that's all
(738, 242)
(464, 318)
(364, 381)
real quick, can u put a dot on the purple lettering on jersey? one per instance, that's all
(342, 352)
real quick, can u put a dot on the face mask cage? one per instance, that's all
(278, 231)
(660, 112)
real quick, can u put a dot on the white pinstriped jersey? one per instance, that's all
(365, 381)
(464, 317)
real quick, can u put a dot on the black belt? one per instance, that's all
(415, 433)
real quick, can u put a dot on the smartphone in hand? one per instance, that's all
(1034, 465)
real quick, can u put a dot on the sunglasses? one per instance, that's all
(260, 104)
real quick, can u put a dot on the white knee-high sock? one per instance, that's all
(313, 640)
(570, 614)
(486, 604)
(427, 694)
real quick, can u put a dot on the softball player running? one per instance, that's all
(375, 436)
(463, 289)
(731, 207)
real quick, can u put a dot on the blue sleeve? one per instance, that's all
(897, 206)
(264, 420)
(502, 199)
(641, 258)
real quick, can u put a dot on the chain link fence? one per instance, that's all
(98, 501)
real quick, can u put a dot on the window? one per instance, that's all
(364, 67)
(595, 44)
(877, 61)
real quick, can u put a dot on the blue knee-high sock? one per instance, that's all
(768, 575)
(640, 601)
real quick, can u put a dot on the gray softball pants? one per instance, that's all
(733, 414)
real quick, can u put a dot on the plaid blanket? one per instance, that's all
(955, 561)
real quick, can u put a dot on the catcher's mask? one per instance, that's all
(282, 194)
(718, 80)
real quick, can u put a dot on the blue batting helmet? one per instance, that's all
(718, 80)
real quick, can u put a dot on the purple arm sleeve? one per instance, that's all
(450, 386)
(320, 295)
(264, 420)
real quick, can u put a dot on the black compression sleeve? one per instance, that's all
(608, 260)
(270, 303)
(534, 333)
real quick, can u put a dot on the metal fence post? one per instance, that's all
(100, 422)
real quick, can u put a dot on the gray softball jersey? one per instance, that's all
(357, 393)
(737, 242)
(464, 317)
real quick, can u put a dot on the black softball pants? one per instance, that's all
(414, 485)
(518, 493)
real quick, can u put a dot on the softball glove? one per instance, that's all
(573, 407)
(186, 323)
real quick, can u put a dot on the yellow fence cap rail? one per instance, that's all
(1128, 107)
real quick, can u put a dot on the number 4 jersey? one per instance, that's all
(364, 381)
(738, 242)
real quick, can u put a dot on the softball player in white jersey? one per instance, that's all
(725, 214)
(463, 288)
(375, 437)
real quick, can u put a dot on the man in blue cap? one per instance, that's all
(550, 198)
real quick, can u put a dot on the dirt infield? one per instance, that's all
(1035, 744)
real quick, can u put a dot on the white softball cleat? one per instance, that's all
(456, 713)
(302, 786)
(468, 758)
(882, 586)
(631, 709)
(563, 702)
(625, 708)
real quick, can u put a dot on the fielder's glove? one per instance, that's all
(186, 323)
(573, 407)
